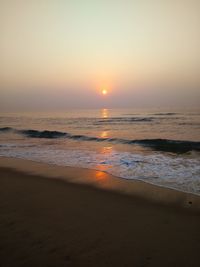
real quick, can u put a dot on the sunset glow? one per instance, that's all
(118, 52)
(104, 94)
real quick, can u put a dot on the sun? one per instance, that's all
(104, 92)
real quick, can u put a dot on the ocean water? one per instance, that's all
(157, 146)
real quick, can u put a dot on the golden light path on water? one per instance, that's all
(104, 113)
(105, 150)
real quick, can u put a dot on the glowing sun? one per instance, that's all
(104, 92)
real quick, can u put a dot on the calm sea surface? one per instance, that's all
(157, 146)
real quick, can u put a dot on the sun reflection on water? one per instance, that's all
(104, 134)
(104, 152)
(100, 176)
(104, 113)
(105, 156)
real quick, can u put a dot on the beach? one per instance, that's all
(99, 133)
(47, 220)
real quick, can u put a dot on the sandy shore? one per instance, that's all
(51, 222)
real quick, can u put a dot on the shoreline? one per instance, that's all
(105, 181)
(61, 222)
(102, 171)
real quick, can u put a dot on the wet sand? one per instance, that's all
(54, 222)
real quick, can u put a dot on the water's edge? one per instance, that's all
(105, 181)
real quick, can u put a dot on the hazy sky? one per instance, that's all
(57, 54)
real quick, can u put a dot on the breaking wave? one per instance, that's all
(166, 114)
(175, 146)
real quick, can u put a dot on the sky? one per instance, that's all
(60, 54)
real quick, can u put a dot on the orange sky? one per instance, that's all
(64, 52)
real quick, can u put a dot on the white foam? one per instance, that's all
(177, 172)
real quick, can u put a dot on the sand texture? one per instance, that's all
(49, 222)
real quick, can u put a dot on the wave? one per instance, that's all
(180, 173)
(6, 129)
(42, 134)
(124, 119)
(166, 114)
(175, 146)
(127, 120)
(189, 123)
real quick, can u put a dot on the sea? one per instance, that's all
(157, 146)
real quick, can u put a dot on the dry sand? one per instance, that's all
(51, 222)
